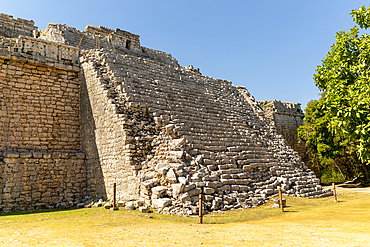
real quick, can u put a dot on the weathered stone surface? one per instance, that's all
(208, 190)
(144, 209)
(158, 190)
(130, 206)
(194, 192)
(161, 203)
(11, 154)
(171, 176)
(177, 189)
(82, 120)
(286, 118)
(184, 197)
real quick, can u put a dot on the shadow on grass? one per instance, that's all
(245, 215)
(236, 216)
(41, 211)
(296, 205)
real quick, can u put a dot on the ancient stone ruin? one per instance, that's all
(286, 117)
(81, 110)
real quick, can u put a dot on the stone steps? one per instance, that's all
(227, 151)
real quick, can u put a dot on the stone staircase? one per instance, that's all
(190, 134)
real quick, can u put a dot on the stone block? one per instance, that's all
(11, 154)
(208, 191)
(235, 187)
(194, 192)
(189, 187)
(182, 180)
(130, 206)
(177, 189)
(208, 197)
(56, 155)
(171, 176)
(159, 190)
(37, 155)
(144, 209)
(46, 155)
(161, 203)
(25, 155)
(150, 183)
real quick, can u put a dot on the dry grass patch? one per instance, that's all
(306, 222)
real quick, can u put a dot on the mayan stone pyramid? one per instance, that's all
(162, 132)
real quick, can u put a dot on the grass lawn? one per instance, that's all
(305, 222)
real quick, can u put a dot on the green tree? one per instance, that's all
(340, 120)
(328, 152)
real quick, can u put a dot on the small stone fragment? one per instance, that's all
(144, 209)
(130, 206)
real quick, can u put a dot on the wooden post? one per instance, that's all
(281, 200)
(335, 193)
(114, 196)
(201, 208)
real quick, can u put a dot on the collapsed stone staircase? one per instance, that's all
(192, 134)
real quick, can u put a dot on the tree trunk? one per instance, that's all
(365, 171)
(344, 177)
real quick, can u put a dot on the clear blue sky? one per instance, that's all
(270, 46)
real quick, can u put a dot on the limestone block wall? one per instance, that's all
(12, 28)
(35, 180)
(105, 140)
(41, 164)
(286, 117)
(39, 106)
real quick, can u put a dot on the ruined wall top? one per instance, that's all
(92, 37)
(286, 117)
(122, 42)
(286, 108)
(117, 37)
(13, 27)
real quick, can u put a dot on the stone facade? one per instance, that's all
(41, 163)
(12, 28)
(39, 106)
(286, 117)
(81, 110)
(35, 180)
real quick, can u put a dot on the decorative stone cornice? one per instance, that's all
(40, 51)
